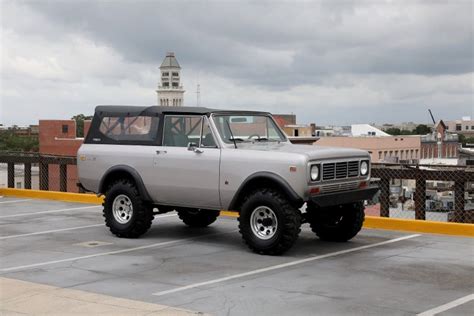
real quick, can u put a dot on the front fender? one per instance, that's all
(265, 177)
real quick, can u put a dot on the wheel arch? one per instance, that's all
(265, 179)
(123, 172)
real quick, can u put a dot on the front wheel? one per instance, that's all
(269, 224)
(338, 223)
(197, 217)
(124, 211)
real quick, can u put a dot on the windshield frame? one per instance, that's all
(230, 143)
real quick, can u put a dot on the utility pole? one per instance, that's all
(198, 95)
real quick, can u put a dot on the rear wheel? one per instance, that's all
(197, 217)
(338, 223)
(269, 224)
(125, 213)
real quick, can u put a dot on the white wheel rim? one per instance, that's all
(122, 209)
(263, 222)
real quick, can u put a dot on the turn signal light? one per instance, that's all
(363, 184)
(314, 191)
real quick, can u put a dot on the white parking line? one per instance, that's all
(66, 229)
(51, 211)
(166, 243)
(283, 265)
(448, 306)
(14, 201)
(49, 231)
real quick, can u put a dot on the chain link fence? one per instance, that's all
(424, 192)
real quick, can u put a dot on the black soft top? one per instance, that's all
(131, 110)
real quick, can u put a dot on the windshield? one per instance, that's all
(247, 128)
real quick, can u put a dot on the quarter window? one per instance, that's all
(130, 128)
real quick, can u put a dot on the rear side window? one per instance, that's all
(140, 130)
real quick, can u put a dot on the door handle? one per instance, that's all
(161, 152)
(198, 151)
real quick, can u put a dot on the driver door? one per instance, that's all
(187, 165)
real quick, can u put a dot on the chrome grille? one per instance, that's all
(329, 171)
(353, 169)
(340, 170)
(346, 186)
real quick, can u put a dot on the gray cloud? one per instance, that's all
(281, 56)
(276, 44)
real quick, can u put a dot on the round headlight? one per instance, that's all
(314, 173)
(364, 168)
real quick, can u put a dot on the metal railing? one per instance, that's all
(432, 190)
(48, 167)
(423, 192)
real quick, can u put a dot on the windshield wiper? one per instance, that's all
(264, 139)
(237, 139)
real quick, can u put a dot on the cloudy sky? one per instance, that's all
(329, 62)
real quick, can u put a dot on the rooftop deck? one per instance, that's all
(67, 256)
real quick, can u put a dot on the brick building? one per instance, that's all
(58, 137)
(381, 148)
(440, 143)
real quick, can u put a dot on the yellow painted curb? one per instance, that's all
(230, 214)
(409, 225)
(420, 226)
(53, 195)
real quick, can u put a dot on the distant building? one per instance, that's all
(464, 126)
(297, 133)
(170, 91)
(21, 131)
(382, 148)
(405, 126)
(366, 130)
(440, 143)
(58, 137)
(397, 149)
(285, 119)
(300, 130)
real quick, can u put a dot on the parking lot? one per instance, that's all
(210, 271)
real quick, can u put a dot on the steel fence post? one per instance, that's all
(27, 175)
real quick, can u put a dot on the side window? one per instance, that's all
(140, 129)
(180, 130)
(207, 139)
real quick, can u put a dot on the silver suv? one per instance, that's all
(197, 161)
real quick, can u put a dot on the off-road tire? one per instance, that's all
(197, 217)
(339, 223)
(288, 217)
(142, 215)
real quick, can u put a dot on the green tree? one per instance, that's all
(11, 142)
(393, 131)
(422, 129)
(465, 140)
(80, 118)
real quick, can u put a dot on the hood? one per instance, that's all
(310, 151)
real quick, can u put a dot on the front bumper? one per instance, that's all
(344, 197)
